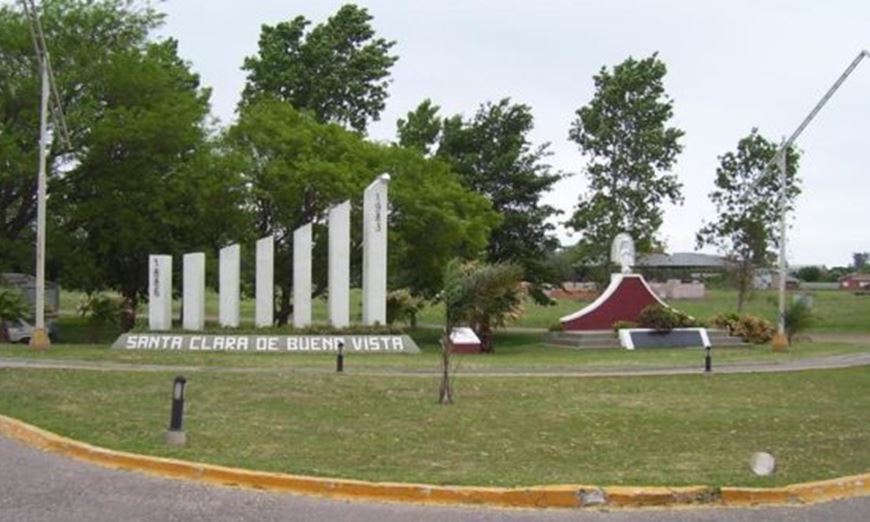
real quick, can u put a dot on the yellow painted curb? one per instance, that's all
(552, 496)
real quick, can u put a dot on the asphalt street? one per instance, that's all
(44, 487)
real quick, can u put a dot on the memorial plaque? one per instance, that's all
(363, 344)
(632, 338)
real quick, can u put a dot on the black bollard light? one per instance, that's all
(175, 436)
(339, 359)
(708, 358)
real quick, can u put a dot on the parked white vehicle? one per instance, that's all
(20, 331)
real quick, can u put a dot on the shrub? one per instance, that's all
(798, 317)
(12, 308)
(403, 306)
(663, 318)
(750, 328)
(555, 327)
(619, 325)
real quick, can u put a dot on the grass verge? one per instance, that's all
(502, 431)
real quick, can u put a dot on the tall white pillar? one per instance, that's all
(193, 293)
(228, 282)
(265, 282)
(374, 283)
(339, 265)
(302, 276)
(159, 292)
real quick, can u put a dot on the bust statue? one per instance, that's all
(622, 252)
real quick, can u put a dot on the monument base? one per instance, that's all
(779, 343)
(623, 300)
(39, 339)
(175, 438)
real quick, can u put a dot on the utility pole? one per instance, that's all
(780, 341)
(39, 338)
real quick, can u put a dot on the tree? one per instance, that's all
(421, 128)
(859, 261)
(746, 228)
(480, 295)
(483, 296)
(631, 148)
(297, 167)
(810, 274)
(145, 183)
(339, 71)
(494, 157)
(82, 36)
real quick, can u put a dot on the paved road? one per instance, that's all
(43, 487)
(815, 363)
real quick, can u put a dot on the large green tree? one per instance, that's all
(494, 156)
(625, 133)
(83, 37)
(297, 167)
(338, 70)
(147, 182)
(746, 200)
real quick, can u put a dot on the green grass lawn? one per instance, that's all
(835, 310)
(502, 431)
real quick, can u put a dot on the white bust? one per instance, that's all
(622, 252)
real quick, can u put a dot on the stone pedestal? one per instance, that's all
(265, 282)
(159, 292)
(302, 276)
(193, 296)
(339, 265)
(229, 286)
(374, 282)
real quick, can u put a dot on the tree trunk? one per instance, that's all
(127, 318)
(445, 391)
(284, 308)
(484, 331)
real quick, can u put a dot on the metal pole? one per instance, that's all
(39, 339)
(783, 191)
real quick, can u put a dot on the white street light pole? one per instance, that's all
(39, 338)
(780, 341)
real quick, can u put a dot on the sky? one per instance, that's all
(732, 65)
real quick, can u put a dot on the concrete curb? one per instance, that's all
(551, 496)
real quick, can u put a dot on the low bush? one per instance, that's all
(798, 318)
(555, 327)
(750, 328)
(620, 325)
(663, 318)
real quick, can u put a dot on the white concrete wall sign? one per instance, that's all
(265, 282)
(230, 259)
(193, 294)
(339, 265)
(302, 276)
(159, 292)
(374, 282)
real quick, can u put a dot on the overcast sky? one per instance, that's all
(732, 65)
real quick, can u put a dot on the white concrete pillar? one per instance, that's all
(265, 283)
(374, 283)
(159, 292)
(302, 276)
(339, 265)
(230, 259)
(193, 293)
